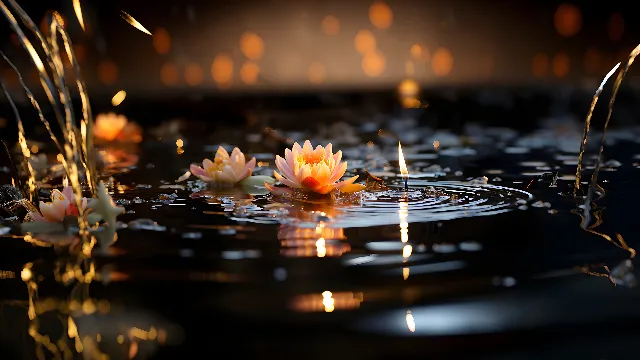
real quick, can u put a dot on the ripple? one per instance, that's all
(435, 201)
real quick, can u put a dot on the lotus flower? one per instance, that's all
(224, 170)
(316, 170)
(61, 205)
(113, 127)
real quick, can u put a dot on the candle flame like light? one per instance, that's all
(411, 324)
(78, 11)
(403, 166)
(133, 22)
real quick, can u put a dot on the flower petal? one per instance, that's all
(351, 188)
(197, 170)
(296, 149)
(222, 153)
(251, 164)
(208, 165)
(284, 168)
(311, 184)
(346, 182)
(50, 213)
(278, 190)
(35, 216)
(338, 172)
(67, 192)
(307, 148)
(325, 189)
(337, 156)
(285, 181)
(289, 157)
(328, 150)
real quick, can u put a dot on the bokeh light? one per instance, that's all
(108, 72)
(567, 20)
(380, 15)
(169, 74)
(222, 70)
(330, 25)
(252, 46)
(249, 73)
(365, 41)
(193, 74)
(560, 64)
(162, 41)
(540, 65)
(592, 61)
(442, 62)
(373, 63)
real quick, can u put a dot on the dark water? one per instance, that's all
(453, 267)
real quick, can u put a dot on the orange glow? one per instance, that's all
(222, 70)
(408, 89)
(560, 64)
(108, 72)
(373, 63)
(592, 61)
(249, 73)
(317, 73)
(540, 65)
(169, 74)
(327, 301)
(567, 20)
(616, 27)
(162, 41)
(420, 52)
(80, 52)
(380, 15)
(252, 46)
(330, 25)
(409, 69)
(365, 41)
(401, 164)
(442, 62)
(193, 75)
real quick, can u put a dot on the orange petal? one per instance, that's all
(311, 183)
(325, 189)
(350, 188)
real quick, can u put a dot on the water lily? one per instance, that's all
(113, 127)
(227, 170)
(61, 205)
(315, 170)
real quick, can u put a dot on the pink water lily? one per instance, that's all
(61, 205)
(225, 169)
(316, 170)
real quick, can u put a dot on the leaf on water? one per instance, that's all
(257, 181)
(374, 183)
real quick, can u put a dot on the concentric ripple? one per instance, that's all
(430, 201)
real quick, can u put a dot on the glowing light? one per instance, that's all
(411, 324)
(249, 73)
(193, 74)
(222, 70)
(317, 73)
(560, 64)
(380, 15)
(252, 46)
(162, 41)
(169, 74)
(403, 166)
(35, 149)
(567, 20)
(327, 301)
(108, 72)
(133, 22)
(442, 62)
(179, 143)
(419, 52)
(320, 248)
(403, 213)
(26, 274)
(616, 27)
(406, 251)
(540, 65)
(118, 98)
(373, 63)
(408, 89)
(330, 25)
(365, 41)
(78, 11)
(405, 273)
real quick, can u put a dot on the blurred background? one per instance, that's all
(243, 49)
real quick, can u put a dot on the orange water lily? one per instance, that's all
(113, 127)
(225, 169)
(316, 170)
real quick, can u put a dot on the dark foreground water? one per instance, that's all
(453, 268)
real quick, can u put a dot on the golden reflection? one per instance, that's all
(252, 46)
(111, 127)
(222, 70)
(193, 74)
(327, 301)
(373, 63)
(560, 64)
(108, 72)
(311, 234)
(249, 73)
(169, 74)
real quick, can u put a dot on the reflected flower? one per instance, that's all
(61, 205)
(314, 170)
(113, 127)
(227, 170)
